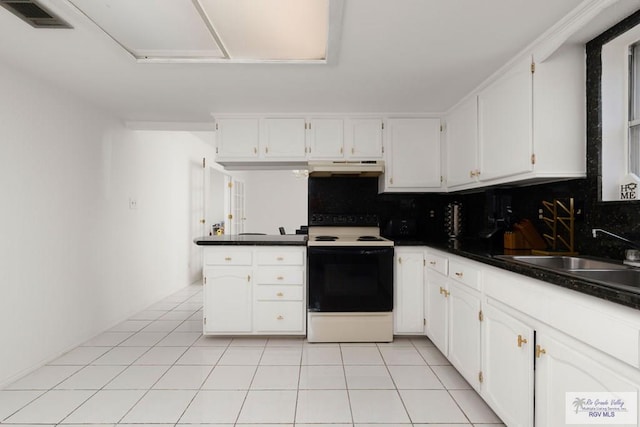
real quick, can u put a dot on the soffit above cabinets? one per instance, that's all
(216, 30)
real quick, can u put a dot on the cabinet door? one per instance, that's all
(507, 366)
(364, 138)
(237, 138)
(464, 332)
(326, 138)
(436, 310)
(284, 138)
(505, 123)
(228, 300)
(280, 317)
(413, 154)
(462, 144)
(408, 289)
(568, 367)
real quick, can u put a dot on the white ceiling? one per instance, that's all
(394, 56)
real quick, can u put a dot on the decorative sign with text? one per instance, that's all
(630, 188)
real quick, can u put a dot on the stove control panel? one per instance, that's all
(357, 220)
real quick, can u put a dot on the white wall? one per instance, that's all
(74, 259)
(274, 199)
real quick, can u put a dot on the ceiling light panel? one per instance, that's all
(270, 30)
(153, 29)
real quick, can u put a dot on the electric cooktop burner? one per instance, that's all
(369, 239)
(326, 238)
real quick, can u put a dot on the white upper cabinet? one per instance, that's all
(294, 140)
(325, 138)
(254, 138)
(412, 157)
(530, 125)
(284, 138)
(462, 144)
(363, 138)
(237, 138)
(505, 124)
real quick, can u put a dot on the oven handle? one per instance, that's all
(350, 250)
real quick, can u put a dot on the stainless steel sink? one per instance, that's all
(609, 273)
(564, 262)
(628, 277)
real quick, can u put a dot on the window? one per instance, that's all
(634, 108)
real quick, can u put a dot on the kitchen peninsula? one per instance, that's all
(254, 284)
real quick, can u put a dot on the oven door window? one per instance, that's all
(350, 279)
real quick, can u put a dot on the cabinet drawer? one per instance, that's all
(278, 293)
(284, 316)
(281, 258)
(437, 263)
(280, 276)
(228, 258)
(464, 273)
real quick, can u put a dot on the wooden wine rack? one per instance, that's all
(559, 216)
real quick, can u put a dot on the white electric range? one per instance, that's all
(350, 280)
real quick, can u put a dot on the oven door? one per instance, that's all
(350, 279)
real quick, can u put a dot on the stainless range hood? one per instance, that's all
(364, 168)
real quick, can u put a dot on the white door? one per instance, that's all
(505, 123)
(197, 183)
(216, 199)
(464, 332)
(236, 217)
(408, 289)
(507, 366)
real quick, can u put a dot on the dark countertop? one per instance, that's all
(253, 240)
(478, 251)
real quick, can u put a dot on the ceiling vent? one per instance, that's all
(34, 14)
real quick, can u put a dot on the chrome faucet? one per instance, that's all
(595, 232)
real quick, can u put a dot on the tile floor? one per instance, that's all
(157, 368)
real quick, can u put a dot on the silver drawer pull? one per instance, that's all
(279, 294)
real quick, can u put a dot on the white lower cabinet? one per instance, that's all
(464, 332)
(518, 340)
(507, 366)
(254, 290)
(436, 311)
(565, 366)
(408, 310)
(227, 300)
(452, 310)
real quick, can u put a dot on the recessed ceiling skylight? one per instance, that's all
(216, 30)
